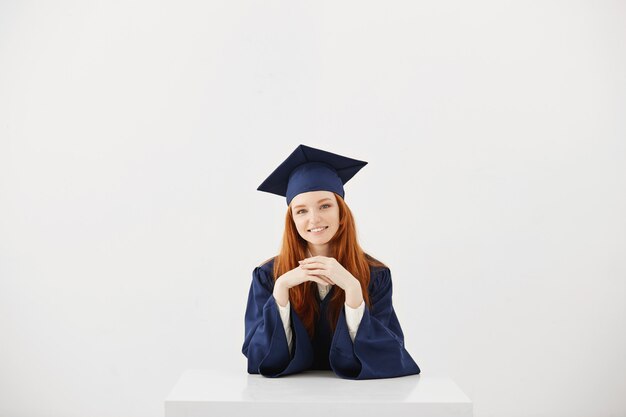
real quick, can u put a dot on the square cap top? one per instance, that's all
(310, 169)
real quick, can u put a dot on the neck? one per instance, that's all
(319, 250)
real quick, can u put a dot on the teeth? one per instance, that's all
(317, 230)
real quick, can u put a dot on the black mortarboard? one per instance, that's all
(310, 169)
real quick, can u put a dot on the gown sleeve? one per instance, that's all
(265, 343)
(285, 314)
(378, 350)
(353, 318)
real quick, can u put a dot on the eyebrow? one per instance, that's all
(301, 205)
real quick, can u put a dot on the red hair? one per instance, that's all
(344, 247)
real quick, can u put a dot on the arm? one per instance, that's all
(353, 318)
(285, 317)
(265, 344)
(378, 349)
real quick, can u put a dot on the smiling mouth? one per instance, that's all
(318, 229)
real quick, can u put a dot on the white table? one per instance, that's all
(201, 393)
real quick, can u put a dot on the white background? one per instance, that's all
(133, 136)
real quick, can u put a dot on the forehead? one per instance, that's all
(311, 198)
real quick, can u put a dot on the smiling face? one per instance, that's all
(316, 216)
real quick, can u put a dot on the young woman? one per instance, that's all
(321, 303)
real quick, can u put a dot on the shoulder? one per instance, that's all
(380, 275)
(264, 273)
(267, 265)
(373, 262)
(375, 265)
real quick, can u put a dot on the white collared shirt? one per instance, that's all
(353, 315)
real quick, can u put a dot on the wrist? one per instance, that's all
(280, 293)
(354, 287)
(354, 295)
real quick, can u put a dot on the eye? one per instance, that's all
(325, 205)
(300, 211)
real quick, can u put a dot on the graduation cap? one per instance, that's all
(311, 169)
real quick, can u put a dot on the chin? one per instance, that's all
(314, 241)
(319, 242)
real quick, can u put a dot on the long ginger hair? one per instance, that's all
(344, 247)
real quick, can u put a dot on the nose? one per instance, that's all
(315, 216)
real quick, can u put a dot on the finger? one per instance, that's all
(309, 261)
(330, 281)
(322, 280)
(318, 280)
(312, 265)
(324, 276)
(317, 271)
(315, 259)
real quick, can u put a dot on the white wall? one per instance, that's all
(133, 136)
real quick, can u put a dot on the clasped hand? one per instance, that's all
(329, 270)
(323, 270)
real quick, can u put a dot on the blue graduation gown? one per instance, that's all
(377, 352)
